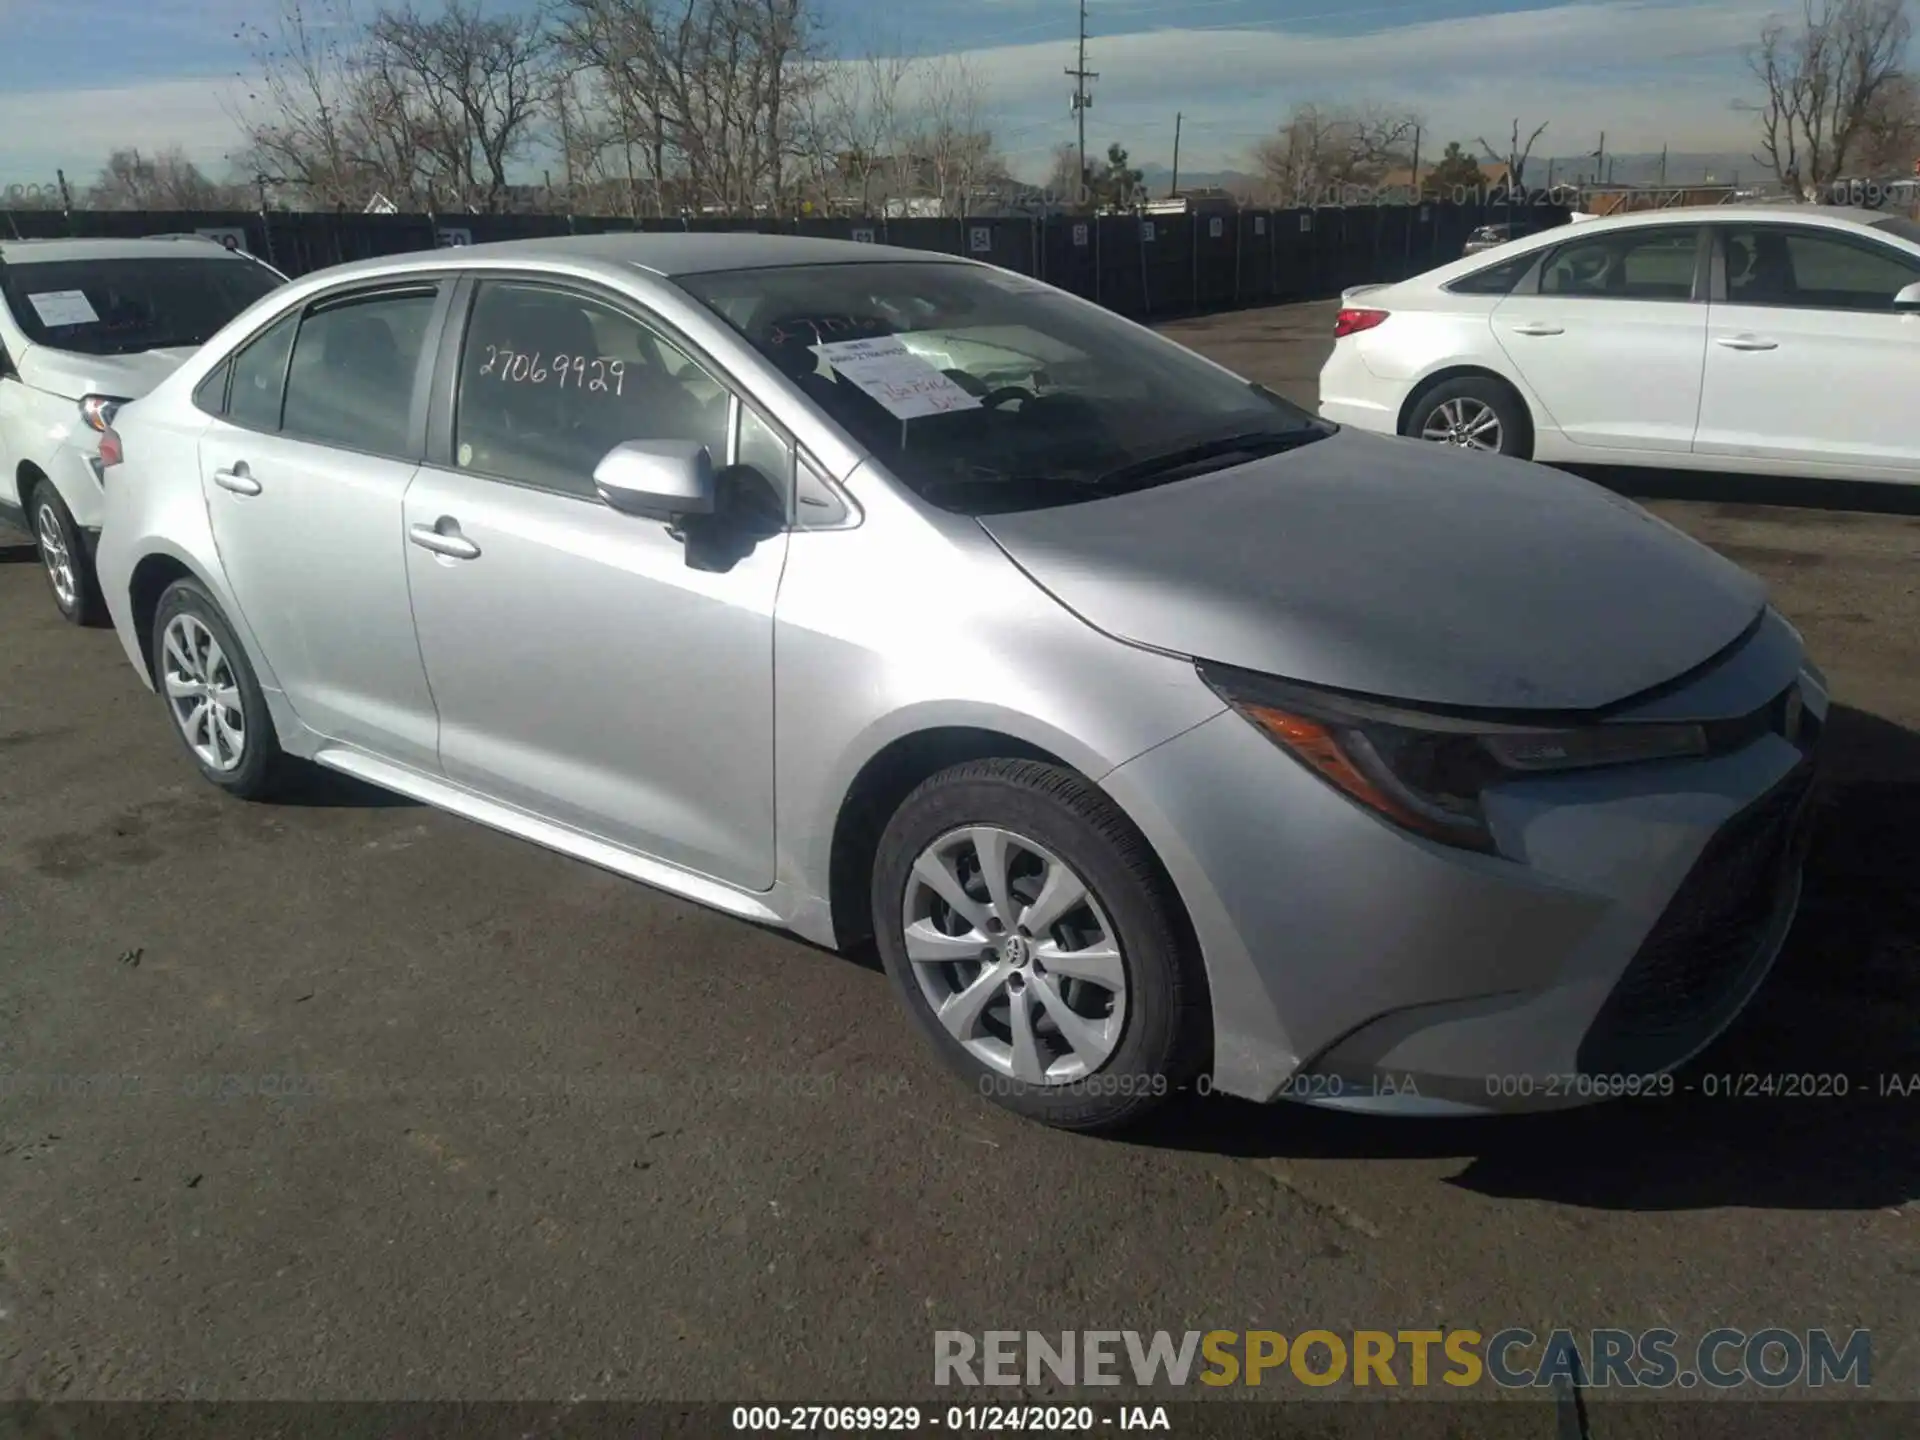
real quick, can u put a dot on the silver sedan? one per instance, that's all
(1162, 736)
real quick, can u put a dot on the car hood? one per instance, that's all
(1398, 569)
(68, 373)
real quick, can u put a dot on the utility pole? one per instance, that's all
(1663, 167)
(1173, 190)
(1600, 159)
(1080, 75)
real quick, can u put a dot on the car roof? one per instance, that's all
(1734, 213)
(666, 254)
(34, 252)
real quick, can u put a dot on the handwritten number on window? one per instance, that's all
(596, 374)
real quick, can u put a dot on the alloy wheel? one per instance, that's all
(203, 693)
(1015, 956)
(1465, 423)
(56, 556)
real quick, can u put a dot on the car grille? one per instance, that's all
(1697, 958)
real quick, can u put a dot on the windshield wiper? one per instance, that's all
(1251, 445)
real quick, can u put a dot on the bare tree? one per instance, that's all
(1824, 84)
(471, 88)
(1889, 139)
(713, 92)
(1332, 153)
(948, 148)
(857, 116)
(299, 112)
(164, 180)
(1517, 155)
(1065, 185)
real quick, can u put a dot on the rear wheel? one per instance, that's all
(211, 694)
(63, 554)
(1472, 413)
(1032, 937)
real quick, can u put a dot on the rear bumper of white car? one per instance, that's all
(1351, 394)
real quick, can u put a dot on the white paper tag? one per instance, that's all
(902, 381)
(63, 307)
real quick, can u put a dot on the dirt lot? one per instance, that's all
(424, 1111)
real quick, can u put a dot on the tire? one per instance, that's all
(186, 617)
(1139, 1044)
(1460, 405)
(64, 558)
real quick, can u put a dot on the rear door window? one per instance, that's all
(1657, 263)
(355, 370)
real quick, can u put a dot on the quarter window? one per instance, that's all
(260, 378)
(1495, 279)
(550, 381)
(1652, 264)
(351, 381)
(1803, 269)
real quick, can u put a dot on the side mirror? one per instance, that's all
(660, 479)
(1907, 302)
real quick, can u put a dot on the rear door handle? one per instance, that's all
(239, 479)
(1539, 327)
(1747, 342)
(454, 545)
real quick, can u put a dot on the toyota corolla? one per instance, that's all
(1162, 735)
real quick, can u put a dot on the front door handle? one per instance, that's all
(1539, 327)
(1747, 342)
(239, 479)
(449, 542)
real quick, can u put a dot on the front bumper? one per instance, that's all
(1355, 966)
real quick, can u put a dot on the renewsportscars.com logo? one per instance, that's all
(1722, 1359)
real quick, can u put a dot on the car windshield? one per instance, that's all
(119, 307)
(987, 392)
(1900, 227)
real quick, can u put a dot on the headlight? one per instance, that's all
(1426, 772)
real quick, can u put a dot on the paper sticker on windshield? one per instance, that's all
(899, 379)
(63, 307)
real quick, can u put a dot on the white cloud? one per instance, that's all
(1584, 67)
(76, 130)
(1647, 72)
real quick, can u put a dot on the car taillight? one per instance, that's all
(111, 451)
(1352, 322)
(98, 410)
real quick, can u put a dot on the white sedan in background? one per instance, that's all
(1777, 340)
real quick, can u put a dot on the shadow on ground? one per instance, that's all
(1765, 492)
(14, 552)
(312, 787)
(1844, 1000)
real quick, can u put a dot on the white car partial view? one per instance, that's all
(87, 326)
(1765, 340)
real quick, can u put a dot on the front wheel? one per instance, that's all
(1473, 413)
(63, 554)
(211, 694)
(1030, 934)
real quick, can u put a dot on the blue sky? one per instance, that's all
(1648, 72)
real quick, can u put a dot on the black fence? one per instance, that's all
(1143, 266)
